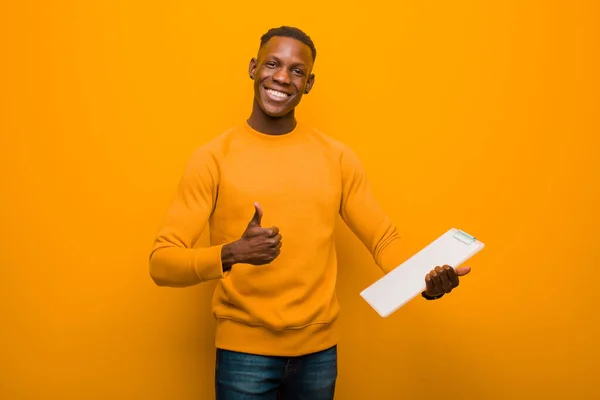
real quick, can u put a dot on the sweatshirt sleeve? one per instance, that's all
(364, 216)
(173, 260)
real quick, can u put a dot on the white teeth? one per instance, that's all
(277, 93)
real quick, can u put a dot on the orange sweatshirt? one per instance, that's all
(302, 180)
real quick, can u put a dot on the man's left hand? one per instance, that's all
(442, 280)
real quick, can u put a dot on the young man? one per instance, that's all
(268, 181)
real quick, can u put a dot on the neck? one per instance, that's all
(268, 125)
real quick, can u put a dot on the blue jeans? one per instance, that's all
(240, 376)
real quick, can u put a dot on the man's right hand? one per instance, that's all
(257, 246)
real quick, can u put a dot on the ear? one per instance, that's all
(252, 68)
(309, 83)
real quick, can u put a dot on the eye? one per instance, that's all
(298, 72)
(270, 64)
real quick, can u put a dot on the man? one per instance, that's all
(268, 181)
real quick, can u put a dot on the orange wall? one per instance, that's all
(468, 114)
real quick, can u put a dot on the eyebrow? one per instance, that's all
(296, 64)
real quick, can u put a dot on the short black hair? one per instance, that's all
(291, 32)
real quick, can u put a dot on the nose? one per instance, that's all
(281, 76)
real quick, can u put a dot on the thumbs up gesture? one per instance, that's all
(258, 245)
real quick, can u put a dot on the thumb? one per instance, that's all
(258, 213)
(462, 271)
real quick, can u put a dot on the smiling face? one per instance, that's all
(282, 74)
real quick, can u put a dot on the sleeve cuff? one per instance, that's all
(208, 264)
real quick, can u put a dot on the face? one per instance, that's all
(282, 74)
